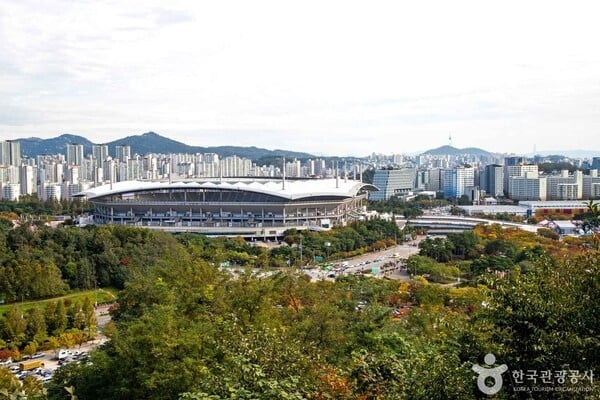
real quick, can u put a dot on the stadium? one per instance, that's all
(230, 207)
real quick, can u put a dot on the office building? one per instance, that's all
(456, 180)
(492, 180)
(393, 183)
(434, 182)
(514, 160)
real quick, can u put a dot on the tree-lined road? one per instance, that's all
(368, 261)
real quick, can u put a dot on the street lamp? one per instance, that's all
(300, 247)
(327, 246)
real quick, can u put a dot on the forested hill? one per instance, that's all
(186, 329)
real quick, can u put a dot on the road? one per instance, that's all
(48, 358)
(102, 315)
(369, 262)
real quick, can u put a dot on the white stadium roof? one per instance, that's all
(294, 189)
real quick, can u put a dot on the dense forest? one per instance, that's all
(185, 329)
(39, 262)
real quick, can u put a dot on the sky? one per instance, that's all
(326, 77)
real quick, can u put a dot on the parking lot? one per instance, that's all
(387, 262)
(48, 361)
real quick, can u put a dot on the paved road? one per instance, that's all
(370, 261)
(102, 315)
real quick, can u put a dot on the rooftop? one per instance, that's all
(294, 189)
(556, 203)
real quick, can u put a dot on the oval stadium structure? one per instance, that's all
(232, 207)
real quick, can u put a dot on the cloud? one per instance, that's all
(167, 17)
(11, 116)
(345, 76)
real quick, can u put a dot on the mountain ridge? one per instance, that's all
(149, 142)
(454, 151)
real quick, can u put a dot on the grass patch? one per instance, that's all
(103, 295)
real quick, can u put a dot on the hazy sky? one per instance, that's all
(341, 78)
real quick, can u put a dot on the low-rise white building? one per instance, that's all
(494, 210)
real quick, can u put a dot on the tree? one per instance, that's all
(30, 349)
(34, 388)
(412, 213)
(36, 325)
(548, 233)
(593, 213)
(5, 354)
(548, 317)
(439, 249)
(79, 317)
(60, 318)
(78, 337)
(464, 200)
(89, 317)
(465, 244)
(66, 339)
(8, 383)
(14, 326)
(50, 317)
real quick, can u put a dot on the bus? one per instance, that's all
(29, 365)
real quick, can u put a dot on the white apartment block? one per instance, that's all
(27, 179)
(528, 187)
(51, 191)
(11, 191)
(519, 170)
(591, 185)
(565, 186)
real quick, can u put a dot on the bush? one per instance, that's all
(548, 233)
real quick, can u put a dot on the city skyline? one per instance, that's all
(50, 147)
(332, 78)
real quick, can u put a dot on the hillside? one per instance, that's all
(32, 147)
(454, 151)
(149, 142)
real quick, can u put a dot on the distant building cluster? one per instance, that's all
(60, 176)
(478, 178)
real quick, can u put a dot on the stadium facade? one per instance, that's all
(233, 207)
